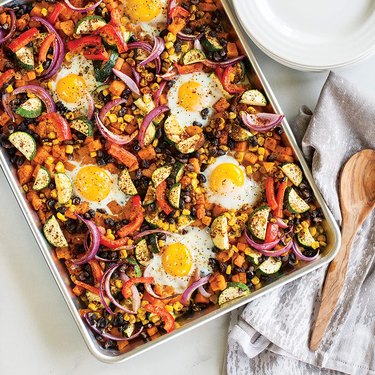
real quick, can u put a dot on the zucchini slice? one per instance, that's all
(239, 134)
(150, 134)
(293, 172)
(173, 130)
(89, 24)
(125, 183)
(152, 218)
(270, 266)
(305, 238)
(154, 242)
(294, 203)
(142, 253)
(64, 188)
(145, 104)
(32, 108)
(178, 171)
(83, 125)
(25, 58)
(150, 196)
(129, 330)
(253, 97)
(219, 232)
(216, 80)
(42, 179)
(160, 174)
(211, 43)
(193, 56)
(184, 221)
(174, 195)
(53, 233)
(257, 224)
(232, 292)
(254, 257)
(98, 99)
(190, 144)
(24, 143)
(103, 70)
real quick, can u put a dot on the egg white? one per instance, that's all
(232, 197)
(81, 66)
(199, 243)
(115, 194)
(209, 94)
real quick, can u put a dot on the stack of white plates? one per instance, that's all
(310, 35)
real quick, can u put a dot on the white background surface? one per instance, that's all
(38, 334)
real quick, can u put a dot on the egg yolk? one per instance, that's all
(70, 88)
(176, 260)
(93, 183)
(189, 96)
(226, 173)
(142, 10)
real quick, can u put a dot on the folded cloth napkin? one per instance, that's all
(271, 335)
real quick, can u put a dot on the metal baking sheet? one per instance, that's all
(137, 347)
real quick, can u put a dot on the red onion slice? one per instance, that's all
(108, 335)
(171, 4)
(276, 253)
(159, 92)
(300, 256)
(281, 223)
(127, 80)
(151, 231)
(147, 121)
(115, 138)
(91, 109)
(91, 250)
(12, 27)
(261, 246)
(261, 122)
(191, 37)
(136, 75)
(81, 10)
(148, 287)
(223, 64)
(109, 106)
(156, 51)
(142, 45)
(189, 291)
(170, 74)
(204, 292)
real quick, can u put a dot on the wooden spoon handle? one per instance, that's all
(333, 285)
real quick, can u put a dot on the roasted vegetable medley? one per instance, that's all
(160, 174)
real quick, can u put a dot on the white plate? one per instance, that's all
(311, 34)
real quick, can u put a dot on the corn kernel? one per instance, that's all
(260, 141)
(126, 317)
(164, 55)
(61, 217)
(144, 303)
(185, 211)
(118, 283)
(112, 117)
(155, 319)
(249, 170)
(92, 306)
(72, 208)
(39, 69)
(261, 150)
(258, 286)
(305, 224)
(69, 149)
(49, 160)
(123, 254)
(169, 308)
(132, 319)
(93, 154)
(315, 245)
(255, 280)
(9, 89)
(44, 12)
(128, 118)
(168, 45)
(322, 243)
(70, 116)
(69, 203)
(232, 116)
(322, 238)
(261, 157)
(170, 37)
(54, 194)
(105, 92)
(60, 167)
(25, 188)
(171, 51)
(110, 236)
(177, 306)
(184, 48)
(228, 270)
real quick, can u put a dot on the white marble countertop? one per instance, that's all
(38, 334)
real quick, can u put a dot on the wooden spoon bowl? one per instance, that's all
(357, 200)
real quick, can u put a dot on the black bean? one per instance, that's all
(204, 113)
(62, 209)
(51, 203)
(201, 178)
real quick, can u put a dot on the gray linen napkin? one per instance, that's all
(271, 335)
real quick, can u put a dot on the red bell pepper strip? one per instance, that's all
(280, 200)
(6, 77)
(113, 244)
(113, 36)
(123, 156)
(52, 18)
(270, 193)
(24, 39)
(42, 55)
(271, 232)
(219, 72)
(191, 68)
(179, 12)
(88, 287)
(161, 199)
(136, 224)
(59, 123)
(97, 271)
(126, 288)
(97, 54)
(77, 45)
(167, 317)
(227, 78)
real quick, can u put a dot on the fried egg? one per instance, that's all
(95, 185)
(180, 257)
(192, 93)
(150, 15)
(73, 83)
(228, 185)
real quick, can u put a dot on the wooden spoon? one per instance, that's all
(357, 199)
